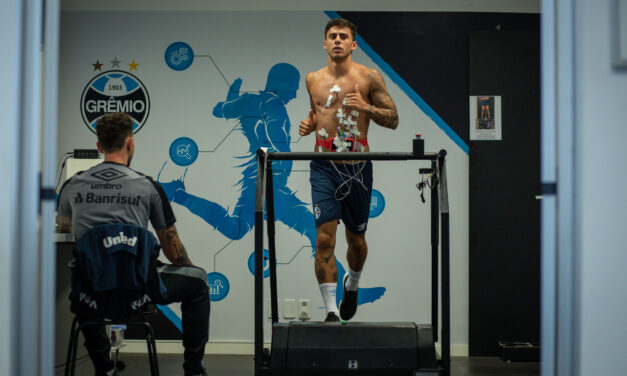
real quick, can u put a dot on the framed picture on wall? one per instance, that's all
(485, 117)
(619, 34)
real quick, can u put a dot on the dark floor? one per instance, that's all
(242, 365)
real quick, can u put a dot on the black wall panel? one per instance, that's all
(504, 179)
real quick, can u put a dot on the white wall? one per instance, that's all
(601, 195)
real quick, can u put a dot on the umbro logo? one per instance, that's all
(108, 174)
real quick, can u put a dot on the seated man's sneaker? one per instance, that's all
(332, 317)
(348, 305)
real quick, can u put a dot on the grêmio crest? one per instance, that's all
(115, 91)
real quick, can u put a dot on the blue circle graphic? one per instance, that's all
(377, 204)
(183, 151)
(266, 264)
(179, 56)
(218, 286)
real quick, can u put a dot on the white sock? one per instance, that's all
(328, 291)
(352, 282)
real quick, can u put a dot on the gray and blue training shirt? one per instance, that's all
(113, 193)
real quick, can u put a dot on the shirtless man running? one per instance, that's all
(344, 96)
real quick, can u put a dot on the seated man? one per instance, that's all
(111, 192)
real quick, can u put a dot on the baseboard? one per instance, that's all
(456, 350)
(234, 348)
(176, 347)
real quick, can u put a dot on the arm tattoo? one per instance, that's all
(173, 248)
(383, 110)
(64, 224)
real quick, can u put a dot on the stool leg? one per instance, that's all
(74, 349)
(149, 348)
(117, 357)
(154, 353)
(152, 350)
(68, 358)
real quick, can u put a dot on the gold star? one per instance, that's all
(97, 65)
(133, 65)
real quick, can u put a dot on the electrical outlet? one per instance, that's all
(289, 308)
(304, 309)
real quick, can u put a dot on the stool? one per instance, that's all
(70, 363)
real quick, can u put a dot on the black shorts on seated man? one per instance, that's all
(138, 200)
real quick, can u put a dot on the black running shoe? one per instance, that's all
(332, 317)
(204, 373)
(348, 305)
(106, 373)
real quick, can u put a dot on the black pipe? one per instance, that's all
(446, 267)
(446, 306)
(435, 243)
(271, 241)
(261, 157)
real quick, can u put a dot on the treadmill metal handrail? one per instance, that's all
(439, 208)
(259, 203)
(371, 155)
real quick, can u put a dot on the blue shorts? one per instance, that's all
(338, 196)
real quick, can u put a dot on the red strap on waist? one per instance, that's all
(329, 143)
